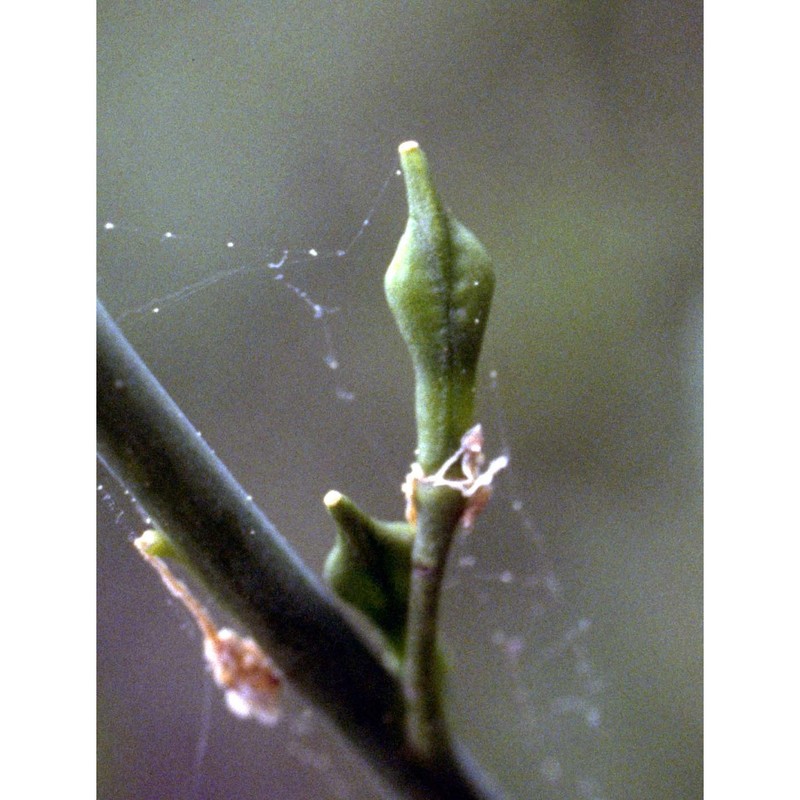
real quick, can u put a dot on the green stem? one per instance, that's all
(438, 513)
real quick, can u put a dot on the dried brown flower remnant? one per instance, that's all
(251, 681)
(476, 486)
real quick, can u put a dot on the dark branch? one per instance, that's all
(252, 570)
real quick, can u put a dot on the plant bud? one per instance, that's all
(439, 287)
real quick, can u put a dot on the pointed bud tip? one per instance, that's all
(148, 541)
(154, 543)
(332, 498)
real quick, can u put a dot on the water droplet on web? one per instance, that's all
(514, 646)
(109, 226)
(595, 686)
(551, 770)
(313, 252)
(330, 359)
(552, 583)
(229, 244)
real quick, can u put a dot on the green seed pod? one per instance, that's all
(439, 287)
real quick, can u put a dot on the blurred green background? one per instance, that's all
(568, 137)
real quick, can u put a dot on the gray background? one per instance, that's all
(568, 137)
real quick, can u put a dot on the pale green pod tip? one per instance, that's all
(154, 543)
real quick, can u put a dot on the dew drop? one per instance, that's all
(514, 646)
(229, 244)
(313, 252)
(593, 717)
(551, 770)
(109, 226)
(552, 584)
(156, 310)
(595, 686)
(331, 360)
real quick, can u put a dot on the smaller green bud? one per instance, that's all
(154, 543)
(439, 286)
(369, 566)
